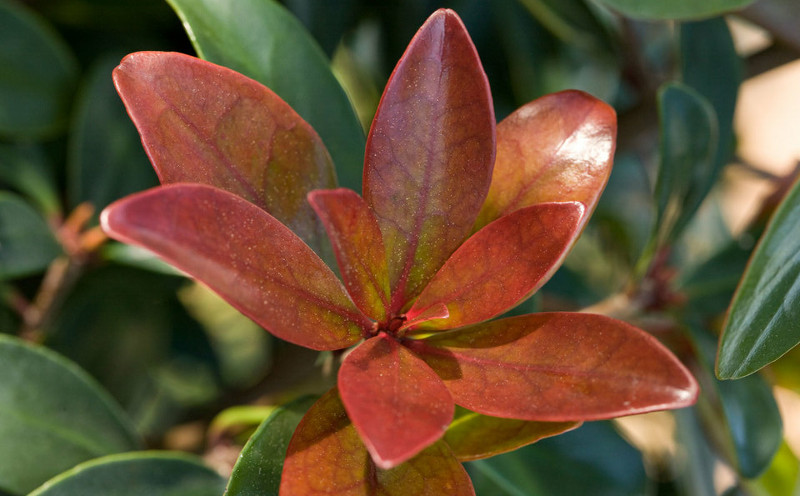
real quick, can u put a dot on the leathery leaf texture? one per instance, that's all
(460, 220)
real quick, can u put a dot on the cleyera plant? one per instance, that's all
(460, 220)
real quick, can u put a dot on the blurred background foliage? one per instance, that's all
(665, 249)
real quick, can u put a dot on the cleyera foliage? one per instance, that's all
(438, 244)
(325, 256)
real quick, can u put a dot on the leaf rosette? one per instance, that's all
(460, 220)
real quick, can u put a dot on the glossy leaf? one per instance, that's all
(260, 39)
(246, 256)
(203, 123)
(557, 148)
(258, 470)
(154, 473)
(430, 153)
(358, 245)
(593, 460)
(558, 367)
(762, 320)
(52, 417)
(711, 66)
(27, 244)
(398, 404)
(326, 457)
(38, 76)
(473, 436)
(675, 9)
(497, 267)
(105, 160)
(688, 148)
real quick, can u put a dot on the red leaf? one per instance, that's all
(430, 153)
(473, 436)
(203, 123)
(358, 245)
(398, 404)
(557, 148)
(558, 367)
(326, 457)
(253, 261)
(501, 265)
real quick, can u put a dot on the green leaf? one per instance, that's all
(675, 9)
(258, 470)
(106, 160)
(25, 168)
(150, 473)
(260, 39)
(590, 460)
(52, 417)
(710, 66)
(38, 75)
(688, 146)
(762, 321)
(782, 476)
(27, 244)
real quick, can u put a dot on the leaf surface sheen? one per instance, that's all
(244, 254)
(473, 436)
(327, 458)
(500, 265)
(397, 403)
(430, 153)
(558, 367)
(358, 245)
(557, 148)
(204, 123)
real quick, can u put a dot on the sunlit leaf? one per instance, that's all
(762, 320)
(398, 404)
(27, 244)
(675, 9)
(203, 123)
(38, 76)
(430, 153)
(154, 473)
(260, 39)
(496, 267)
(326, 457)
(473, 436)
(358, 246)
(555, 149)
(52, 417)
(245, 255)
(258, 469)
(558, 367)
(106, 160)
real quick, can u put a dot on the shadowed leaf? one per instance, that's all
(430, 153)
(203, 123)
(501, 265)
(557, 148)
(244, 254)
(473, 436)
(397, 403)
(675, 9)
(27, 243)
(558, 367)
(326, 457)
(358, 246)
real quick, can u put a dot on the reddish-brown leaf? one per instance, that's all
(557, 148)
(253, 261)
(358, 246)
(430, 153)
(558, 367)
(326, 458)
(473, 436)
(500, 265)
(398, 404)
(203, 123)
